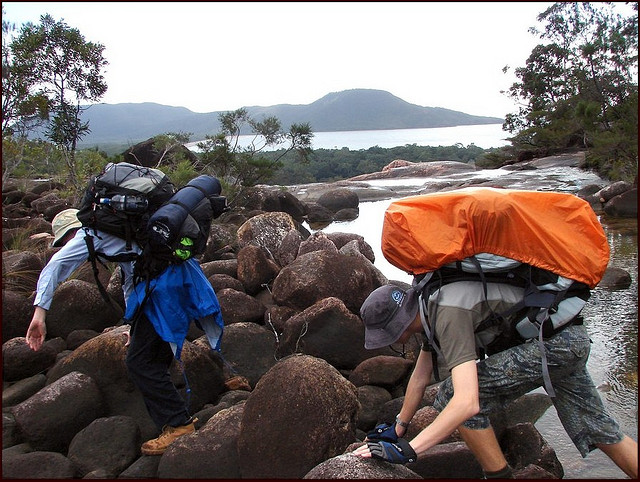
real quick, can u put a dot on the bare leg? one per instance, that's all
(484, 445)
(624, 454)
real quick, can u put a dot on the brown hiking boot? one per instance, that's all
(157, 446)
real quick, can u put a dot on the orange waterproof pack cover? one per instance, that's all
(555, 231)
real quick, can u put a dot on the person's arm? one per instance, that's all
(127, 280)
(464, 404)
(418, 383)
(59, 268)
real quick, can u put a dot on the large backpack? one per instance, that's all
(121, 199)
(550, 244)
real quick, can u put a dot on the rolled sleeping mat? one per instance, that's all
(165, 224)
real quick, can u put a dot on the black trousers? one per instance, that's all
(148, 360)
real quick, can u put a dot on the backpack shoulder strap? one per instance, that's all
(421, 287)
(94, 257)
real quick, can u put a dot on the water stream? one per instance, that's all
(611, 316)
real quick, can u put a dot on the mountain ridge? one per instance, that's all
(349, 110)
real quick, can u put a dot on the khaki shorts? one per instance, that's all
(507, 375)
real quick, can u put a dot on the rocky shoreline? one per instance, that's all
(293, 391)
(537, 174)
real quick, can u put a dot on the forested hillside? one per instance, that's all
(357, 109)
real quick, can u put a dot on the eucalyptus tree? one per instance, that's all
(23, 107)
(56, 61)
(579, 88)
(243, 164)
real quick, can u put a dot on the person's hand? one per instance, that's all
(36, 333)
(362, 451)
(124, 333)
(46, 236)
(128, 335)
(399, 452)
(384, 431)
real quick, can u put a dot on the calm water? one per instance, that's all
(484, 136)
(612, 320)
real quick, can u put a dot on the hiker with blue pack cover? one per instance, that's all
(164, 286)
(479, 227)
(170, 292)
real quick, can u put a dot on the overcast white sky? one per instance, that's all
(216, 56)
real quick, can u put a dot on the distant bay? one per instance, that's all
(485, 136)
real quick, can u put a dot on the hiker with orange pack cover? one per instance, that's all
(494, 332)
